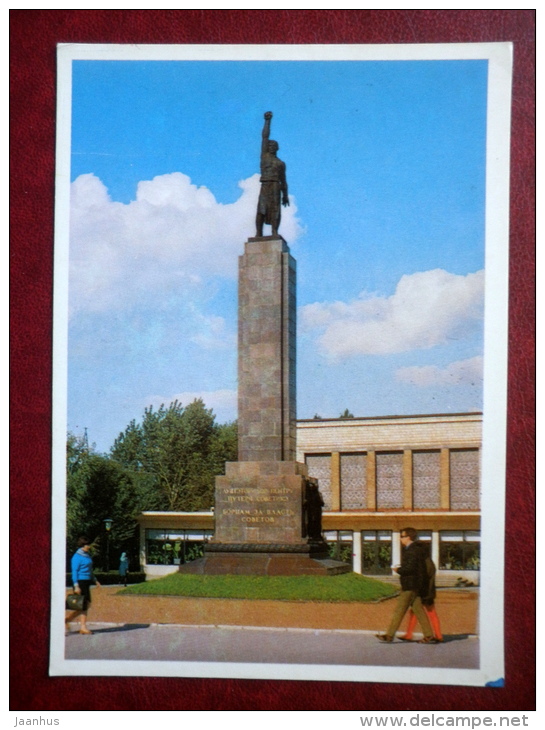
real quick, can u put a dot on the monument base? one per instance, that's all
(261, 503)
(267, 522)
(252, 559)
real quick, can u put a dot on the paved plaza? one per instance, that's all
(162, 628)
(190, 643)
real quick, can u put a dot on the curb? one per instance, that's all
(358, 632)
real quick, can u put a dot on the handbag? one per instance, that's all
(75, 602)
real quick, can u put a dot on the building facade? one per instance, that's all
(376, 476)
(379, 475)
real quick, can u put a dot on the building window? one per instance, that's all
(353, 481)
(376, 552)
(426, 479)
(460, 550)
(319, 466)
(425, 536)
(389, 480)
(340, 544)
(464, 479)
(175, 547)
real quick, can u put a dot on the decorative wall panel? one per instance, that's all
(319, 466)
(390, 481)
(426, 479)
(464, 479)
(353, 481)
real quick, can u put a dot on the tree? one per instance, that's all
(77, 455)
(176, 453)
(129, 450)
(346, 414)
(224, 446)
(169, 461)
(98, 488)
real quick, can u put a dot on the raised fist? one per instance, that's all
(268, 115)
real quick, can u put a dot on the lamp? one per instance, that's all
(108, 526)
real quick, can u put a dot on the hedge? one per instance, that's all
(111, 578)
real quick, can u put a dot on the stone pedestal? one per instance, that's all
(260, 562)
(262, 523)
(260, 502)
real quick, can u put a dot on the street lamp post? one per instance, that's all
(108, 526)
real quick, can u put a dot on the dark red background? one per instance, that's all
(34, 35)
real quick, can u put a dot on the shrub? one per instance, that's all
(111, 578)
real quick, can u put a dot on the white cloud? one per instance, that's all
(428, 308)
(223, 402)
(461, 372)
(213, 333)
(173, 235)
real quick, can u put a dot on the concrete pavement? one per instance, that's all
(184, 629)
(250, 644)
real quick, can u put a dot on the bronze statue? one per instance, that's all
(274, 187)
(312, 512)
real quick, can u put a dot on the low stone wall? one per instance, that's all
(159, 571)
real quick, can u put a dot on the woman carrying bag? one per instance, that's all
(82, 578)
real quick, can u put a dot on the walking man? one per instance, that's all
(413, 575)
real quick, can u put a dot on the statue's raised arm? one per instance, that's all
(265, 134)
(274, 186)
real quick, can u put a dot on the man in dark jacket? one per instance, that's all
(413, 574)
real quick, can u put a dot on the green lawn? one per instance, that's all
(346, 587)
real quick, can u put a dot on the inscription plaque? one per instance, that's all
(260, 502)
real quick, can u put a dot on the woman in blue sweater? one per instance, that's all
(82, 578)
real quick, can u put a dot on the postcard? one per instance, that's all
(290, 259)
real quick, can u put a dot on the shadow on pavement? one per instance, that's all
(125, 627)
(447, 639)
(455, 637)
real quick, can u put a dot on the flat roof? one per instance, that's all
(385, 418)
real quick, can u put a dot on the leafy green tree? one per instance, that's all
(169, 461)
(224, 446)
(77, 455)
(176, 453)
(129, 450)
(99, 488)
(346, 414)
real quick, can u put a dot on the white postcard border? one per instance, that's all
(499, 56)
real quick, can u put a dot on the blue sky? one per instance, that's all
(386, 174)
